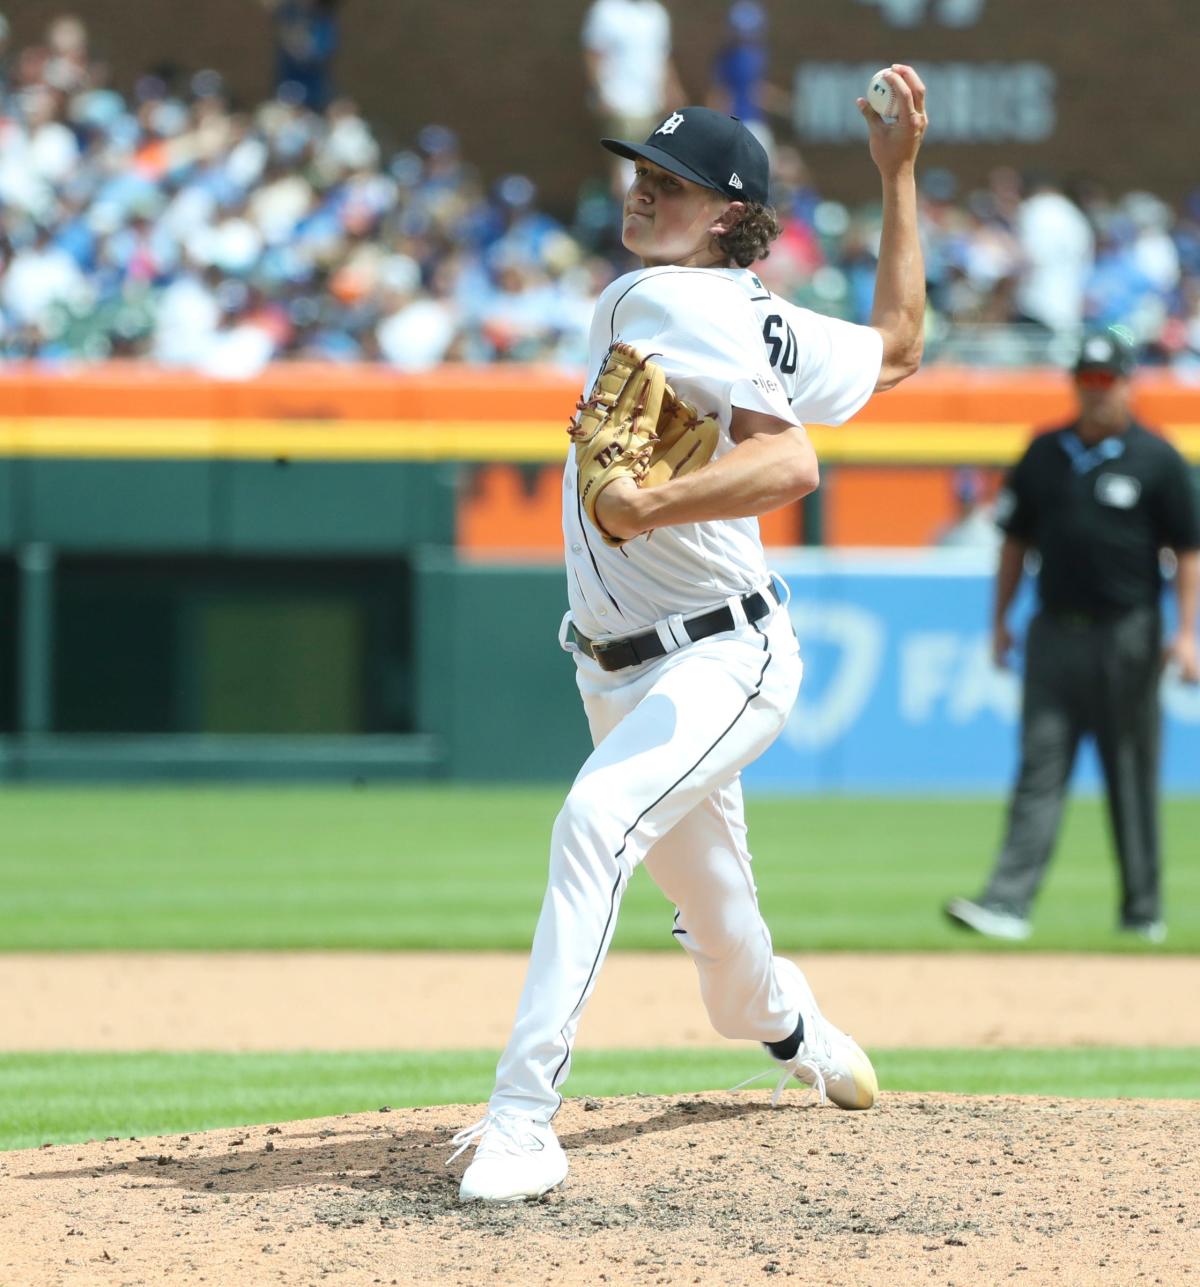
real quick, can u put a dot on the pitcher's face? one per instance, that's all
(671, 220)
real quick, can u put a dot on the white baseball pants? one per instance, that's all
(661, 787)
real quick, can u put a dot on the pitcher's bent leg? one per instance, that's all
(703, 866)
(706, 712)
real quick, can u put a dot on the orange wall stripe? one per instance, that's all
(512, 395)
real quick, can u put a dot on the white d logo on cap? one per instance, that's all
(671, 124)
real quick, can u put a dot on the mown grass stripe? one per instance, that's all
(61, 1097)
(465, 868)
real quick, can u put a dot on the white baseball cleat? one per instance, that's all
(987, 921)
(829, 1060)
(517, 1157)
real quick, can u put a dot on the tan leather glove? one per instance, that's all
(634, 426)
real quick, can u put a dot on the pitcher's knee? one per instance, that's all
(714, 938)
(721, 919)
(581, 817)
(586, 836)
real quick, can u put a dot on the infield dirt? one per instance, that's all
(711, 1188)
(453, 1001)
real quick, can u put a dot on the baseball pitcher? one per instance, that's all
(690, 424)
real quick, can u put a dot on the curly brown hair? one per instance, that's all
(749, 240)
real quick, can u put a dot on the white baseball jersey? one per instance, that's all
(724, 341)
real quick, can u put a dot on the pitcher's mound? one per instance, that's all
(712, 1188)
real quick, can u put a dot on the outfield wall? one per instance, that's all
(887, 478)
(899, 693)
(303, 577)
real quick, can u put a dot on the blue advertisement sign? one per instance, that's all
(899, 691)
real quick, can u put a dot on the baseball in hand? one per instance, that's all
(882, 96)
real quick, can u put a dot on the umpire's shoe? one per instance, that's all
(827, 1059)
(517, 1158)
(1151, 931)
(988, 921)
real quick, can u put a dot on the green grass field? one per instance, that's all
(66, 1098)
(458, 868)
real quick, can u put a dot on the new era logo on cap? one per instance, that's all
(704, 146)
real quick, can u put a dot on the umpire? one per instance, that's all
(1098, 500)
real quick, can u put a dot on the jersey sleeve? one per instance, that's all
(838, 363)
(1014, 510)
(704, 333)
(1177, 518)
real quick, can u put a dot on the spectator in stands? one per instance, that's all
(188, 316)
(306, 39)
(984, 264)
(1058, 247)
(739, 79)
(63, 63)
(40, 279)
(975, 523)
(417, 328)
(797, 253)
(240, 348)
(627, 57)
(1137, 275)
(125, 221)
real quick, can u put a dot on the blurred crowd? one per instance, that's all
(170, 223)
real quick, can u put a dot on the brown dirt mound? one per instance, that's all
(711, 1188)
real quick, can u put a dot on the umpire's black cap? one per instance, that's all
(710, 148)
(1112, 350)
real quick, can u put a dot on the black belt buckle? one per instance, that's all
(594, 648)
(597, 648)
(619, 654)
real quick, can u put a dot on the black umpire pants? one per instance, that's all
(1098, 678)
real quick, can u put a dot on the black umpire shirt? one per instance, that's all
(1099, 516)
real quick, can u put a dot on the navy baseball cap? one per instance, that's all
(710, 148)
(1112, 350)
